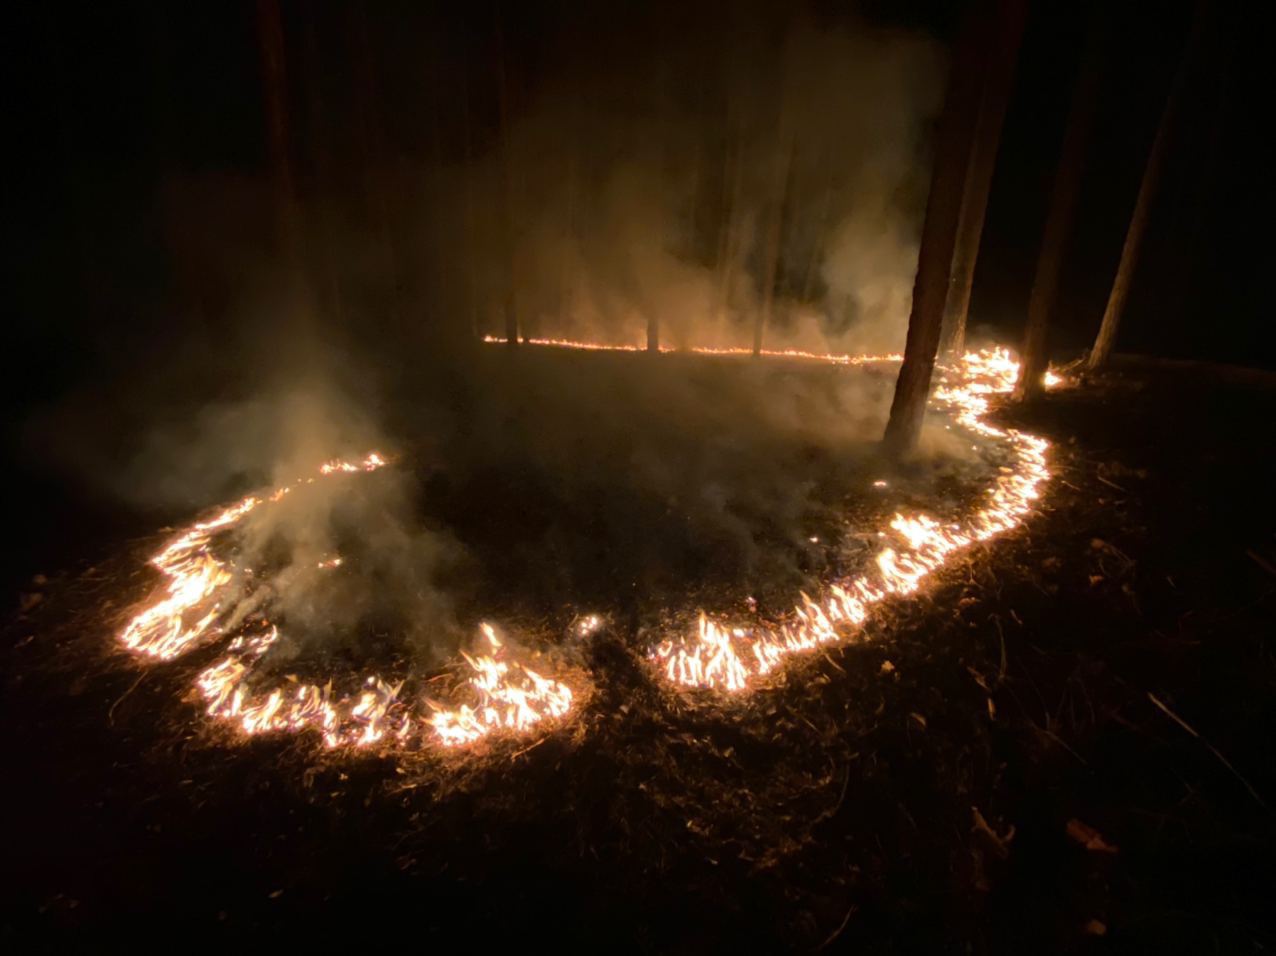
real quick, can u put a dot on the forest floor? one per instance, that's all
(1064, 745)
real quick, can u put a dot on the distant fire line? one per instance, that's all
(837, 359)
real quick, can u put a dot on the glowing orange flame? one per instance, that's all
(507, 694)
(731, 658)
(511, 696)
(837, 359)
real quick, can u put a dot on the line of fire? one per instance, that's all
(659, 477)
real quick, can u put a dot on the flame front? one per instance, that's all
(836, 359)
(720, 656)
(511, 697)
(508, 696)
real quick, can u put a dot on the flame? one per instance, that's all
(720, 656)
(172, 625)
(506, 694)
(511, 696)
(839, 359)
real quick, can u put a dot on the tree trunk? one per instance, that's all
(321, 150)
(373, 141)
(507, 219)
(939, 234)
(997, 88)
(733, 191)
(467, 183)
(775, 232)
(270, 36)
(298, 312)
(1106, 339)
(1063, 205)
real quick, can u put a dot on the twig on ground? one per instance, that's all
(1261, 561)
(1113, 484)
(1223, 760)
(110, 714)
(841, 926)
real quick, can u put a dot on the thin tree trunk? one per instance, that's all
(939, 235)
(1106, 339)
(733, 185)
(1063, 205)
(467, 182)
(298, 311)
(820, 243)
(270, 36)
(322, 158)
(566, 278)
(374, 150)
(507, 219)
(775, 232)
(997, 88)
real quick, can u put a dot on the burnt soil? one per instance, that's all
(1003, 765)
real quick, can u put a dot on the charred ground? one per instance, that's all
(834, 810)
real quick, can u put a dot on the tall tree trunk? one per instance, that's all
(775, 233)
(467, 184)
(997, 88)
(939, 234)
(566, 264)
(298, 307)
(733, 190)
(506, 197)
(321, 150)
(270, 37)
(375, 151)
(1063, 205)
(1106, 339)
(816, 252)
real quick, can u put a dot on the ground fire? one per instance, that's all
(510, 696)
(723, 477)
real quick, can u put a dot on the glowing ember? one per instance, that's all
(723, 656)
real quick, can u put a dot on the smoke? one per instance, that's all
(709, 175)
(671, 189)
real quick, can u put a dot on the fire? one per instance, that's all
(506, 694)
(722, 656)
(165, 629)
(511, 696)
(172, 625)
(839, 359)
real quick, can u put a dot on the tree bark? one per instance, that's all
(506, 198)
(1105, 341)
(270, 36)
(775, 232)
(939, 234)
(1063, 205)
(733, 192)
(997, 87)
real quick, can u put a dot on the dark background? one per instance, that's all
(111, 280)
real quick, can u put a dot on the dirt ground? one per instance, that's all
(1064, 746)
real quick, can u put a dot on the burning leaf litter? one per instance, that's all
(507, 695)
(721, 655)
